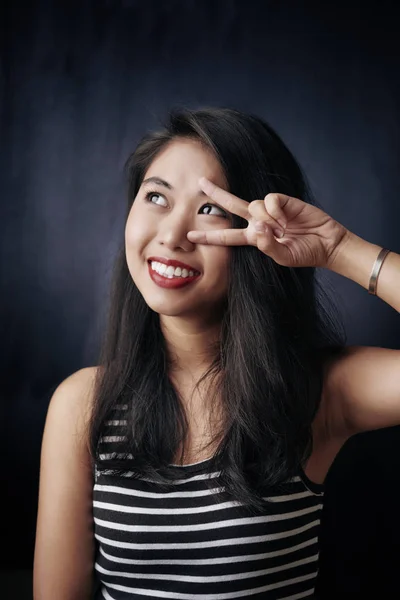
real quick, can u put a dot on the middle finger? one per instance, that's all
(225, 199)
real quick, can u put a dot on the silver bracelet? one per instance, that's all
(376, 269)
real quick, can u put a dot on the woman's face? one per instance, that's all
(169, 203)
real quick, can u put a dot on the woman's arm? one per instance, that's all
(355, 258)
(64, 550)
(362, 387)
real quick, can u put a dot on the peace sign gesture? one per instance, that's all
(290, 231)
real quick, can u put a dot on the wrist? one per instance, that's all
(355, 258)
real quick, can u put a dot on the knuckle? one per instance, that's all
(256, 208)
(229, 204)
(272, 198)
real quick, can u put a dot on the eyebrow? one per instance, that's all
(164, 183)
(159, 181)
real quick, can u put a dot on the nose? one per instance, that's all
(173, 232)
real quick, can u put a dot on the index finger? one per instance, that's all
(226, 200)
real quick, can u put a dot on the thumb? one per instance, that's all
(268, 244)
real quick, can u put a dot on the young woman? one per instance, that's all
(190, 462)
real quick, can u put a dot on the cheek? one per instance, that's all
(137, 232)
(129, 226)
(131, 235)
(135, 242)
(216, 261)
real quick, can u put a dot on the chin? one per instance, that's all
(180, 303)
(173, 311)
(195, 312)
(178, 307)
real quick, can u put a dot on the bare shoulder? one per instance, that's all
(64, 546)
(66, 432)
(361, 392)
(362, 389)
(80, 382)
(72, 400)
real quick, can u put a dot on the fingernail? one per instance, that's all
(205, 183)
(282, 223)
(278, 232)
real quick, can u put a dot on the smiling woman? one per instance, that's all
(168, 204)
(207, 443)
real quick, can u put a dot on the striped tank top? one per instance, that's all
(188, 544)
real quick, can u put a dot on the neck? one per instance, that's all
(192, 346)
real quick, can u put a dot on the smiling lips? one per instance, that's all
(168, 273)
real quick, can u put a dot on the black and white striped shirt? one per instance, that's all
(185, 545)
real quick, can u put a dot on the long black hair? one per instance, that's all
(275, 335)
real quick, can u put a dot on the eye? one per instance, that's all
(211, 207)
(156, 198)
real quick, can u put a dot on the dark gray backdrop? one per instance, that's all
(80, 82)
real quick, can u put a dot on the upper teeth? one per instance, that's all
(170, 271)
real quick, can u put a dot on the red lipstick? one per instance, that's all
(173, 282)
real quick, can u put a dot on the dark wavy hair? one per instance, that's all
(276, 334)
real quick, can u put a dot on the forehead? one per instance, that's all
(183, 161)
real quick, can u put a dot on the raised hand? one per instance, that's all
(290, 231)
